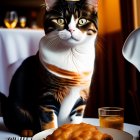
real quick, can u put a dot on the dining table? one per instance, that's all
(129, 128)
(16, 45)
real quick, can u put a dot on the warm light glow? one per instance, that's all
(10, 24)
(109, 16)
(136, 8)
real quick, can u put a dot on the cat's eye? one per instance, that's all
(82, 21)
(59, 21)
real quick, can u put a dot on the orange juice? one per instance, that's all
(111, 117)
(112, 122)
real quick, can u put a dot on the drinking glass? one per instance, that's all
(11, 19)
(111, 117)
(22, 21)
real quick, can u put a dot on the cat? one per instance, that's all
(52, 87)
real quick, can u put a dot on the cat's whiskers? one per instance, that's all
(79, 51)
(52, 41)
(51, 36)
(72, 58)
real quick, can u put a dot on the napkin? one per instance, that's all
(131, 48)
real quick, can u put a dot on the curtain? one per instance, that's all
(115, 81)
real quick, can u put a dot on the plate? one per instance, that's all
(116, 134)
(43, 134)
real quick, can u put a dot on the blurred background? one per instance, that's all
(32, 10)
(115, 81)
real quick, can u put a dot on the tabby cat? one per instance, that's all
(51, 87)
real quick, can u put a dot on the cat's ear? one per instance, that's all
(49, 3)
(94, 3)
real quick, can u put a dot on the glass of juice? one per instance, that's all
(111, 117)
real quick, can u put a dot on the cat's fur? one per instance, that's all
(51, 88)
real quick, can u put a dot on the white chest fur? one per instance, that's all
(67, 106)
(79, 58)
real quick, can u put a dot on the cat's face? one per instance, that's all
(72, 22)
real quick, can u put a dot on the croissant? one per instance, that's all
(80, 131)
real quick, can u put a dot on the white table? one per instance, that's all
(132, 129)
(15, 46)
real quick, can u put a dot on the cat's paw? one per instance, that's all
(27, 133)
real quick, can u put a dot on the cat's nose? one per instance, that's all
(71, 30)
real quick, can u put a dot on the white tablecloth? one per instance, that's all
(132, 129)
(15, 46)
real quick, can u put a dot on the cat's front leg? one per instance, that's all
(77, 113)
(48, 118)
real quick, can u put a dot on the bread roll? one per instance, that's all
(80, 131)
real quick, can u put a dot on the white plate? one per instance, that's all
(43, 134)
(116, 134)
